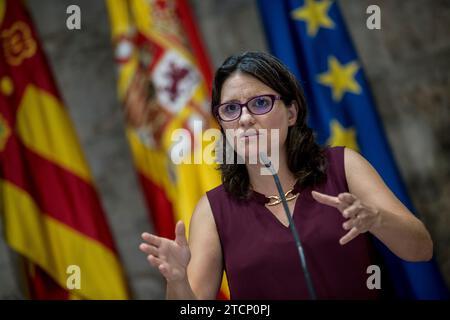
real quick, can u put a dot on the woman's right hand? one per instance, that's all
(171, 257)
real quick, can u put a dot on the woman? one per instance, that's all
(336, 200)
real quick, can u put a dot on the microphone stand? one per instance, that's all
(267, 163)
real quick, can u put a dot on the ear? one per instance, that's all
(292, 113)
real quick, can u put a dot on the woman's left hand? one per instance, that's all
(361, 217)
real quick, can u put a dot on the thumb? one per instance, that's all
(180, 234)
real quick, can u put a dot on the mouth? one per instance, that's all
(248, 134)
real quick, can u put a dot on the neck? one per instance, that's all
(264, 183)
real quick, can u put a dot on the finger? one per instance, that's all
(361, 216)
(164, 269)
(352, 211)
(347, 225)
(347, 197)
(151, 239)
(361, 222)
(326, 199)
(180, 234)
(154, 261)
(148, 249)
(352, 234)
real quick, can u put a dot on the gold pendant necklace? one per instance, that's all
(274, 200)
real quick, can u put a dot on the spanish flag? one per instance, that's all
(52, 215)
(164, 83)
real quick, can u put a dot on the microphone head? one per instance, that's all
(265, 160)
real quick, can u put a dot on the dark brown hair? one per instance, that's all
(305, 159)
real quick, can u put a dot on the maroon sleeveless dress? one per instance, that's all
(260, 256)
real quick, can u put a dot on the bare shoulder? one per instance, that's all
(366, 183)
(358, 169)
(354, 160)
(203, 212)
(361, 177)
(202, 228)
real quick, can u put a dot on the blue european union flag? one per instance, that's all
(310, 37)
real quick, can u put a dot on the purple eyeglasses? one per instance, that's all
(258, 105)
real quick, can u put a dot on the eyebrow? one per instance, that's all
(236, 100)
(232, 100)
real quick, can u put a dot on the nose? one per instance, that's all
(246, 119)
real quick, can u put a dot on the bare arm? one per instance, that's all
(194, 270)
(371, 206)
(397, 227)
(205, 269)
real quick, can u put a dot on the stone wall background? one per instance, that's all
(407, 63)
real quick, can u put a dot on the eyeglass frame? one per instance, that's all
(273, 97)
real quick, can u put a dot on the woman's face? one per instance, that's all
(246, 134)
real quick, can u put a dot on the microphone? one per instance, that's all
(268, 164)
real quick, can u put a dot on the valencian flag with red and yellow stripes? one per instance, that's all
(51, 211)
(164, 83)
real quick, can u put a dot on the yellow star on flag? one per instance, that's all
(341, 78)
(315, 14)
(341, 136)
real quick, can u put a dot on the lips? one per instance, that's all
(248, 134)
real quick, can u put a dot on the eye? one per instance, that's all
(261, 103)
(230, 108)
